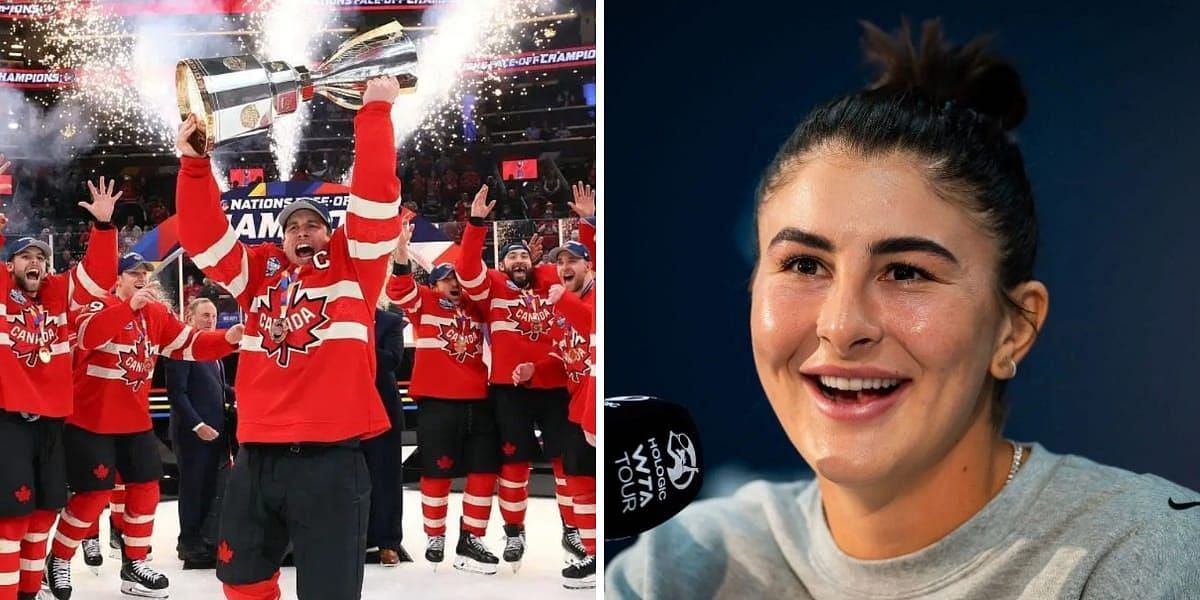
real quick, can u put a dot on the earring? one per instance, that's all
(1014, 367)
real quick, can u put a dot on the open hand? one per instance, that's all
(585, 200)
(480, 207)
(103, 200)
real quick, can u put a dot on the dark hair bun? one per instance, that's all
(967, 75)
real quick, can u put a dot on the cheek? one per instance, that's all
(782, 324)
(943, 332)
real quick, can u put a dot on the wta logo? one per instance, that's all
(683, 469)
(645, 473)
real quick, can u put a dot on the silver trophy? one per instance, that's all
(237, 96)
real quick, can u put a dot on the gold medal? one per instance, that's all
(44, 355)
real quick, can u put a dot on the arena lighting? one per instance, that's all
(13, 125)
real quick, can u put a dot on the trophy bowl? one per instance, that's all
(238, 96)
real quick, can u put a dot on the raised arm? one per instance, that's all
(207, 236)
(96, 274)
(470, 268)
(373, 215)
(402, 289)
(585, 206)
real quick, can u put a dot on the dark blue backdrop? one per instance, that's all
(699, 97)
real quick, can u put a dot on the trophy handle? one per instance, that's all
(389, 29)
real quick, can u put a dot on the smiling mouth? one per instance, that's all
(854, 389)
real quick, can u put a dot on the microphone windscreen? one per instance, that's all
(653, 463)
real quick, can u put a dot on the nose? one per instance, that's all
(848, 320)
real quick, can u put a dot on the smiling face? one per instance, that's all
(304, 235)
(573, 271)
(29, 269)
(875, 318)
(449, 288)
(132, 280)
(517, 264)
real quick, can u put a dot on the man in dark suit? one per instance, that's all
(198, 392)
(384, 530)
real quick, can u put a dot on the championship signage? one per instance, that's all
(538, 60)
(252, 210)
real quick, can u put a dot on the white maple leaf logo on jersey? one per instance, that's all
(461, 337)
(137, 364)
(296, 332)
(531, 315)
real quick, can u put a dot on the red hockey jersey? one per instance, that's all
(574, 346)
(114, 361)
(449, 339)
(34, 323)
(518, 319)
(314, 379)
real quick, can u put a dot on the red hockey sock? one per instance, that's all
(33, 550)
(583, 490)
(12, 531)
(116, 508)
(514, 492)
(565, 503)
(435, 501)
(141, 500)
(76, 519)
(477, 502)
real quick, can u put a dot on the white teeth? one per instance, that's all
(857, 384)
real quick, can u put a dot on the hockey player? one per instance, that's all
(519, 320)
(36, 331)
(306, 371)
(110, 432)
(574, 303)
(456, 430)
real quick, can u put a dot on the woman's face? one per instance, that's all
(875, 319)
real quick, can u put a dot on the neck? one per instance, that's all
(915, 510)
(123, 295)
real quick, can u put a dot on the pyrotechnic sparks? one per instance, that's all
(289, 30)
(480, 28)
(125, 93)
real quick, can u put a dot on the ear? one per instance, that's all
(1019, 328)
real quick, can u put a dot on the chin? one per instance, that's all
(842, 453)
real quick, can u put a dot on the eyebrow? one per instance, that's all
(896, 245)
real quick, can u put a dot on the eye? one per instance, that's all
(803, 265)
(906, 272)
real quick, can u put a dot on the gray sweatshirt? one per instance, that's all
(1064, 527)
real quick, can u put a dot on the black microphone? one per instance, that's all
(652, 463)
